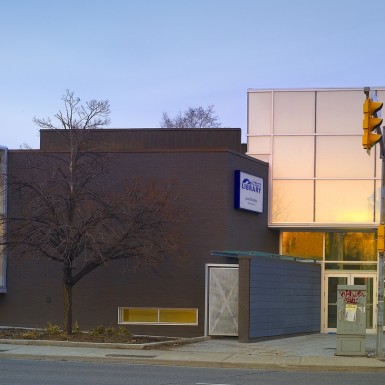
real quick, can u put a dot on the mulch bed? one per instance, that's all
(112, 337)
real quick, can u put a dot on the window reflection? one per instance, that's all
(303, 244)
(292, 201)
(334, 160)
(345, 201)
(350, 247)
(339, 246)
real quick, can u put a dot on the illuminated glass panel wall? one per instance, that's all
(303, 244)
(319, 173)
(339, 249)
(350, 247)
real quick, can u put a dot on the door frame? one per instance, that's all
(350, 275)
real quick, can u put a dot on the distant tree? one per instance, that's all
(72, 216)
(197, 117)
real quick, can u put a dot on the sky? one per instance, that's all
(148, 57)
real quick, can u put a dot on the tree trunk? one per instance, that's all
(67, 301)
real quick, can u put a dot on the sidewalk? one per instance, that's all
(310, 352)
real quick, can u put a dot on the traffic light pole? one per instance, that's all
(380, 267)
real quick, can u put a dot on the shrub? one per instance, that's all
(98, 330)
(31, 335)
(76, 328)
(53, 329)
(110, 331)
(123, 331)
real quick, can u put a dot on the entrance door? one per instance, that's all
(332, 280)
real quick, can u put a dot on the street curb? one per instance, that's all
(278, 366)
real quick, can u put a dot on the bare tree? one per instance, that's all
(73, 217)
(193, 117)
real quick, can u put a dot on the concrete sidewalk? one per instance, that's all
(309, 352)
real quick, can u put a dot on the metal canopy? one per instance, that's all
(248, 254)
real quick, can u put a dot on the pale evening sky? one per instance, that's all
(153, 56)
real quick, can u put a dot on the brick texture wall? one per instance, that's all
(203, 180)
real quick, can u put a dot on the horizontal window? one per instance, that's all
(160, 316)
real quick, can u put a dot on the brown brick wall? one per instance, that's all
(204, 181)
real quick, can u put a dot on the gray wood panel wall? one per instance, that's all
(285, 297)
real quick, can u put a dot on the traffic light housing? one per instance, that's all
(370, 123)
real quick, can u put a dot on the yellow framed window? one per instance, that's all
(159, 316)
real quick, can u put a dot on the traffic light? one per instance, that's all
(370, 123)
(381, 238)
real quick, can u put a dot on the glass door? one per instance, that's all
(369, 283)
(332, 280)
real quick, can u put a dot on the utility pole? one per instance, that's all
(380, 266)
(372, 122)
(380, 306)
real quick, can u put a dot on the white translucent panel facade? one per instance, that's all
(344, 201)
(260, 144)
(339, 112)
(343, 157)
(293, 156)
(320, 175)
(264, 158)
(292, 201)
(294, 112)
(260, 113)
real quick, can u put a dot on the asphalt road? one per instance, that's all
(30, 372)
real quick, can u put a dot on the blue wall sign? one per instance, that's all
(248, 192)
